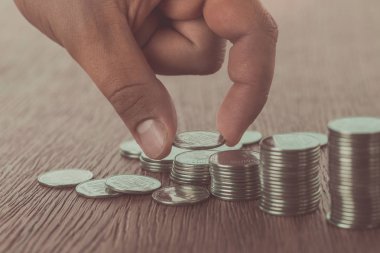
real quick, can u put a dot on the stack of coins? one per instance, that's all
(235, 175)
(354, 172)
(289, 174)
(164, 165)
(192, 167)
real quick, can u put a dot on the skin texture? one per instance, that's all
(123, 44)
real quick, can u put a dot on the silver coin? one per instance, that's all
(95, 189)
(355, 126)
(130, 149)
(289, 142)
(181, 195)
(322, 138)
(133, 184)
(194, 158)
(198, 140)
(234, 158)
(250, 138)
(64, 177)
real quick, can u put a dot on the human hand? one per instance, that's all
(122, 44)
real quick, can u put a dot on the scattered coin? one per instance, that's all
(322, 138)
(250, 138)
(198, 140)
(132, 184)
(289, 174)
(64, 177)
(130, 149)
(235, 175)
(95, 189)
(354, 172)
(181, 195)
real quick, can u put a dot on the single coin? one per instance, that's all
(355, 125)
(198, 140)
(322, 138)
(234, 158)
(194, 158)
(250, 138)
(64, 177)
(181, 195)
(95, 189)
(133, 184)
(291, 142)
(130, 149)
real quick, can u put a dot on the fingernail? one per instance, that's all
(152, 134)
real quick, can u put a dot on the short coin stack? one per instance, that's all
(192, 167)
(164, 165)
(235, 175)
(289, 174)
(354, 172)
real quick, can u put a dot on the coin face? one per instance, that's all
(289, 142)
(130, 149)
(64, 177)
(356, 125)
(95, 189)
(251, 137)
(181, 195)
(322, 138)
(134, 184)
(235, 158)
(198, 140)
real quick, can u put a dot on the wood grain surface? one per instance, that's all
(52, 116)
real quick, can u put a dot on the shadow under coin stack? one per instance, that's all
(192, 167)
(289, 174)
(235, 175)
(164, 165)
(354, 172)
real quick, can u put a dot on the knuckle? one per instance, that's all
(210, 58)
(269, 25)
(129, 101)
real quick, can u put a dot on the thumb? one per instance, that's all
(113, 59)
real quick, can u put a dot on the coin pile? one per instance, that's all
(235, 175)
(192, 167)
(289, 174)
(354, 172)
(164, 165)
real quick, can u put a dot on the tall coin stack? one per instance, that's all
(354, 172)
(289, 174)
(235, 175)
(192, 167)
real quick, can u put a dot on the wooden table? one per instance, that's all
(51, 116)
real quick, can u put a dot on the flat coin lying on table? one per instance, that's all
(64, 177)
(181, 195)
(250, 138)
(197, 140)
(133, 184)
(95, 189)
(322, 138)
(130, 149)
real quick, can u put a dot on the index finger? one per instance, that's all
(253, 33)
